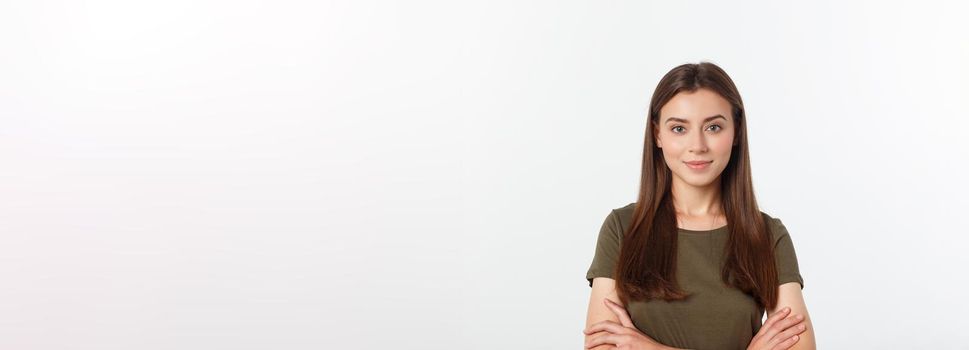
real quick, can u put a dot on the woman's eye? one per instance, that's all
(676, 127)
(718, 127)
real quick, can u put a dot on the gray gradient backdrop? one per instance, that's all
(432, 175)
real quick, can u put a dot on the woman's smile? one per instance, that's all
(699, 165)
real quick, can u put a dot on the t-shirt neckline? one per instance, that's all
(702, 232)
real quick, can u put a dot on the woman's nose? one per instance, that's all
(699, 144)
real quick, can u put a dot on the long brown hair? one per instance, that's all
(749, 256)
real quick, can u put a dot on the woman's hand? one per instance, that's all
(778, 333)
(623, 336)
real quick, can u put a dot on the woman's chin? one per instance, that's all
(697, 181)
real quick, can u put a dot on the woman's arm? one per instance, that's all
(789, 295)
(602, 288)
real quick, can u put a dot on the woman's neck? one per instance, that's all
(692, 201)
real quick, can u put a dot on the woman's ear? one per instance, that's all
(659, 141)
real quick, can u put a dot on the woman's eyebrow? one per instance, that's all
(673, 119)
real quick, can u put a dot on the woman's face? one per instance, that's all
(696, 126)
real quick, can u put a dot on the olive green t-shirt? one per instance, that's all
(715, 316)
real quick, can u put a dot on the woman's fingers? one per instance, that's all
(787, 344)
(776, 317)
(779, 331)
(788, 322)
(620, 311)
(791, 332)
(780, 326)
(775, 325)
(607, 325)
(787, 334)
(606, 338)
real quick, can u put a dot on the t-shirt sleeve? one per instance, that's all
(784, 255)
(607, 249)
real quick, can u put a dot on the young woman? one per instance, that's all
(694, 263)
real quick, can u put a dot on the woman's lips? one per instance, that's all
(698, 165)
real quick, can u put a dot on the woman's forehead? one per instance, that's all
(695, 107)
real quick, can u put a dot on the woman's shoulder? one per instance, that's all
(627, 208)
(776, 226)
(625, 213)
(620, 218)
(768, 218)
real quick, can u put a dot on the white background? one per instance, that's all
(433, 175)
